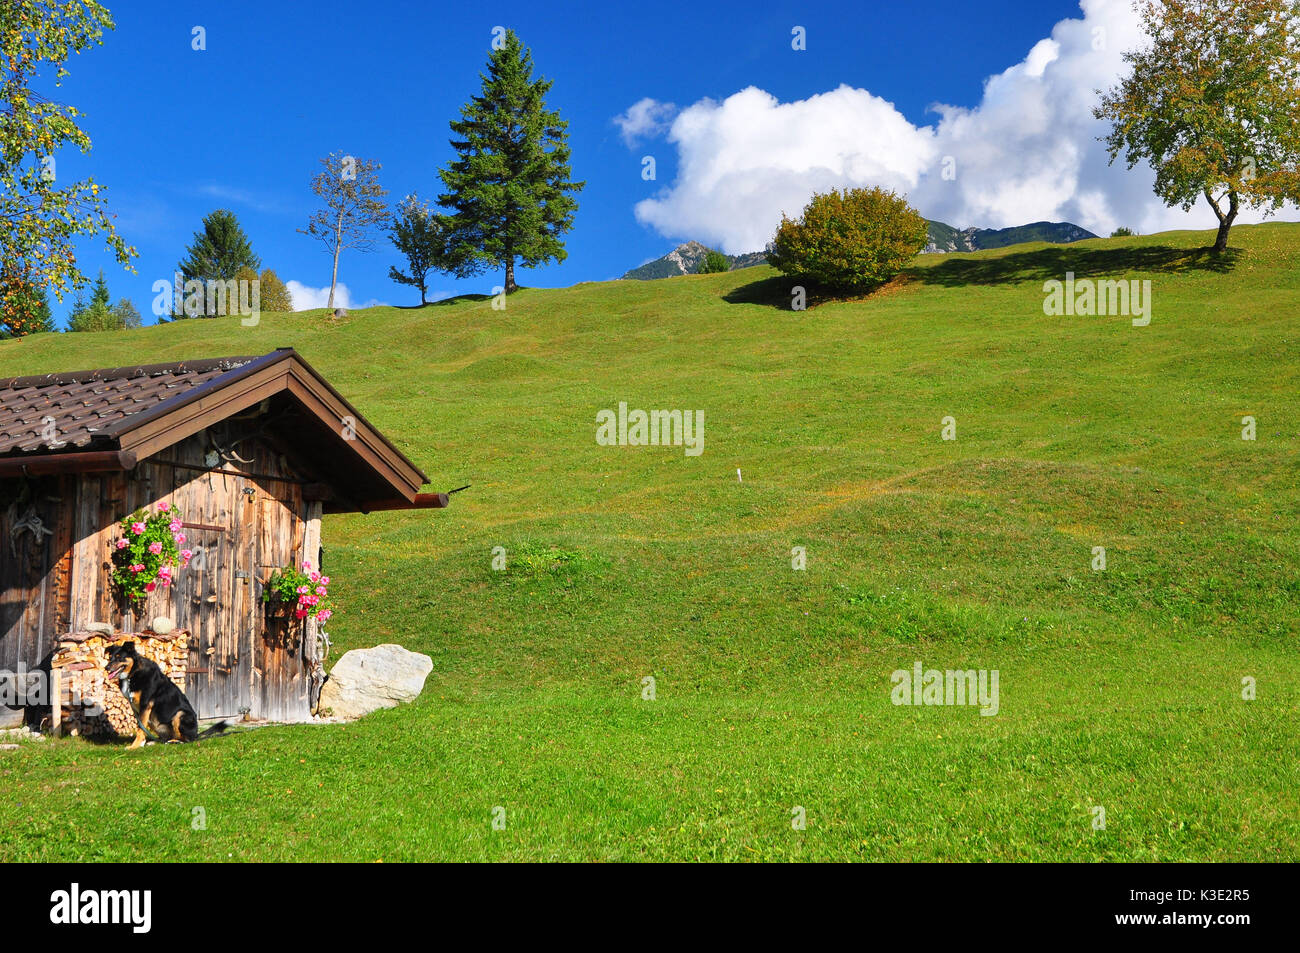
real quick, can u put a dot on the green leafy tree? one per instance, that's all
(1122, 232)
(850, 239)
(427, 240)
(92, 317)
(1213, 104)
(714, 263)
(126, 314)
(96, 315)
(220, 248)
(509, 189)
(354, 207)
(41, 218)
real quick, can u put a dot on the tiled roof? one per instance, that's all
(88, 409)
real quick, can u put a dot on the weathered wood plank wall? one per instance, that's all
(248, 518)
(35, 567)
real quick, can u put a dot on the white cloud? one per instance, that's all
(746, 160)
(644, 119)
(305, 297)
(1028, 152)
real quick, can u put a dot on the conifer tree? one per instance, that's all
(509, 189)
(219, 249)
(99, 295)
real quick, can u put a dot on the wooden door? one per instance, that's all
(211, 594)
(282, 656)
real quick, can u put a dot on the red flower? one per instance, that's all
(300, 614)
(149, 587)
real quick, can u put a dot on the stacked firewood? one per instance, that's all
(92, 704)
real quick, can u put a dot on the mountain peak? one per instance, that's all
(686, 259)
(944, 238)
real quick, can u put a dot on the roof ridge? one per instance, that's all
(132, 370)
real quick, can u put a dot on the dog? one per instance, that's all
(160, 707)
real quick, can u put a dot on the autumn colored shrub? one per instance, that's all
(849, 240)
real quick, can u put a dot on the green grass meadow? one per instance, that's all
(1119, 689)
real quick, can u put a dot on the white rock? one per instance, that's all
(161, 625)
(10, 717)
(365, 680)
(103, 627)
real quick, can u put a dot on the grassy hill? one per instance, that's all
(1118, 689)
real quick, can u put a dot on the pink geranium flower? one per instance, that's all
(180, 538)
(163, 507)
(137, 528)
(155, 548)
(122, 544)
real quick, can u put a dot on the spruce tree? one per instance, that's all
(509, 187)
(98, 315)
(44, 316)
(99, 293)
(218, 251)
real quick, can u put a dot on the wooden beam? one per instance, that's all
(56, 701)
(89, 461)
(215, 407)
(317, 492)
(422, 501)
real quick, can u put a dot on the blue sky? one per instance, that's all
(241, 125)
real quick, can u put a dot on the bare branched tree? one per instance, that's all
(354, 207)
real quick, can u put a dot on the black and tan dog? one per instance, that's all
(160, 707)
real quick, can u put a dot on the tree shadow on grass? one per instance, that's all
(1034, 266)
(443, 302)
(1048, 263)
(779, 292)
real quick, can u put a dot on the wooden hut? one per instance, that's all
(251, 451)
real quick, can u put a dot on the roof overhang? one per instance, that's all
(251, 381)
